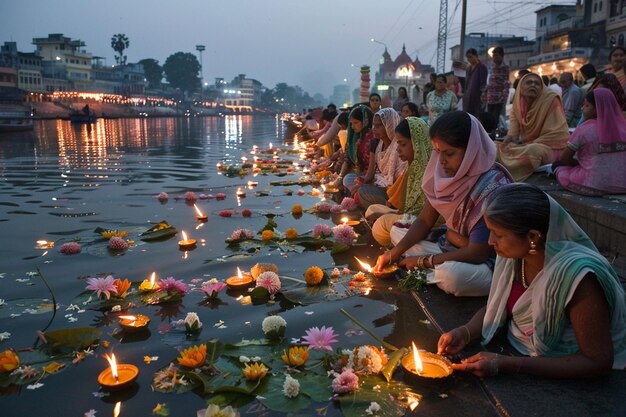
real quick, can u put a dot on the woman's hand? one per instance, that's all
(386, 258)
(482, 364)
(454, 341)
(410, 262)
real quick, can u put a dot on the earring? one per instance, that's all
(533, 248)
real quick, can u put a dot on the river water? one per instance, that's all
(61, 181)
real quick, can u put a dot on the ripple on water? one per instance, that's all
(9, 204)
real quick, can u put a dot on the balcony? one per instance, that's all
(559, 55)
(616, 23)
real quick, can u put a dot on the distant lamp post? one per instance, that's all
(200, 48)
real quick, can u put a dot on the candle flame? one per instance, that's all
(270, 145)
(239, 274)
(413, 405)
(113, 364)
(416, 359)
(152, 279)
(131, 318)
(344, 220)
(184, 235)
(117, 408)
(367, 291)
(364, 265)
(198, 210)
(42, 242)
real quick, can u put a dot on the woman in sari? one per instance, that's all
(538, 130)
(402, 99)
(617, 58)
(611, 82)
(600, 148)
(461, 173)
(405, 197)
(385, 165)
(559, 300)
(358, 143)
(440, 100)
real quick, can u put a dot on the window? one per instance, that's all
(595, 7)
(600, 6)
(620, 39)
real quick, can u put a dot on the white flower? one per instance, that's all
(273, 324)
(255, 359)
(90, 413)
(373, 408)
(291, 387)
(4, 336)
(34, 386)
(212, 281)
(244, 359)
(215, 411)
(116, 308)
(2, 302)
(192, 321)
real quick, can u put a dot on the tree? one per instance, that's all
(120, 42)
(181, 70)
(153, 72)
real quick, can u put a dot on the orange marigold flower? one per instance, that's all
(313, 275)
(121, 286)
(255, 371)
(267, 235)
(291, 233)
(296, 209)
(297, 355)
(9, 361)
(193, 357)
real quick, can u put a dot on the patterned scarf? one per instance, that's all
(353, 137)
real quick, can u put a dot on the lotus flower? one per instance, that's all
(297, 356)
(345, 382)
(101, 286)
(171, 284)
(320, 339)
(193, 357)
(255, 371)
(212, 290)
(121, 287)
(9, 361)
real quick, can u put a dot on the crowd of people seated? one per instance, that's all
(439, 186)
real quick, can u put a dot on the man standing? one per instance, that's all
(588, 71)
(497, 90)
(572, 99)
(475, 81)
(430, 86)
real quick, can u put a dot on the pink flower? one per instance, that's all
(70, 248)
(163, 196)
(171, 284)
(344, 234)
(300, 192)
(220, 196)
(321, 231)
(347, 381)
(203, 197)
(213, 289)
(320, 338)
(336, 209)
(270, 281)
(241, 234)
(323, 207)
(117, 243)
(349, 204)
(226, 213)
(101, 286)
(178, 197)
(190, 196)
(210, 196)
(346, 271)
(246, 213)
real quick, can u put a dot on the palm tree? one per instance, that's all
(120, 42)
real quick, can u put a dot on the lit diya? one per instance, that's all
(349, 222)
(134, 323)
(424, 366)
(44, 244)
(241, 193)
(386, 272)
(186, 243)
(148, 285)
(117, 376)
(200, 216)
(240, 280)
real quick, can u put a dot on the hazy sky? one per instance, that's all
(308, 43)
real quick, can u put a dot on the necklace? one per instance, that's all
(523, 271)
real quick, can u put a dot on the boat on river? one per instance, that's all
(83, 118)
(16, 121)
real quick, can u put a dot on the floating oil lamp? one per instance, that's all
(134, 323)
(200, 216)
(186, 243)
(386, 272)
(44, 244)
(270, 145)
(240, 280)
(349, 222)
(117, 376)
(426, 366)
(148, 285)
(241, 193)
(252, 184)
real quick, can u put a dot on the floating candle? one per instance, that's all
(44, 244)
(186, 243)
(349, 222)
(134, 323)
(200, 216)
(241, 193)
(117, 376)
(387, 271)
(148, 285)
(240, 280)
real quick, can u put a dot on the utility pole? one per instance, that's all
(463, 20)
(442, 36)
(201, 48)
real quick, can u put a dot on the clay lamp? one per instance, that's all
(386, 272)
(148, 285)
(240, 280)
(200, 216)
(117, 376)
(134, 323)
(186, 243)
(426, 367)
(349, 222)
(241, 193)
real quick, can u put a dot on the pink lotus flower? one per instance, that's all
(321, 231)
(220, 196)
(347, 381)
(163, 196)
(212, 290)
(226, 213)
(344, 234)
(117, 243)
(241, 234)
(349, 204)
(70, 248)
(320, 338)
(190, 196)
(171, 284)
(246, 213)
(323, 207)
(101, 286)
(270, 281)
(336, 209)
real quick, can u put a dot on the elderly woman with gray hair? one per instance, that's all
(559, 300)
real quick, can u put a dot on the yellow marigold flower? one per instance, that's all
(313, 275)
(267, 235)
(297, 356)
(193, 357)
(291, 233)
(255, 371)
(9, 361)
(296, 209)
(108, 234)
(121, 286)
